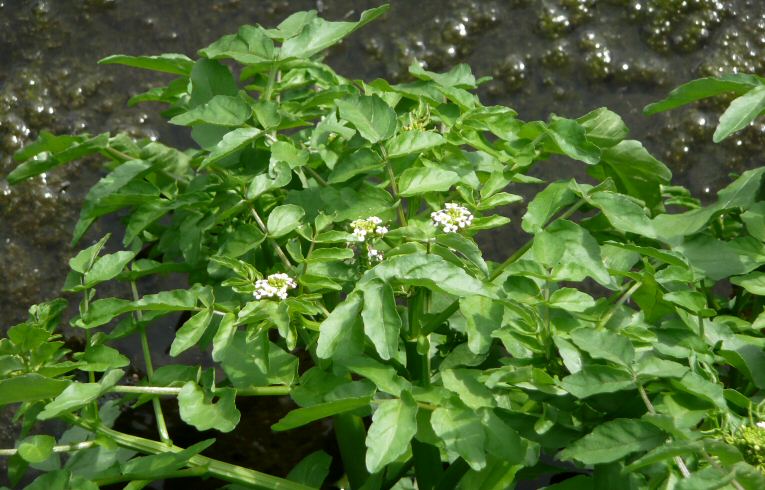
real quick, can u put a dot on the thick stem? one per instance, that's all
(351, 434)
(218, 469)
(174, 391)
(156, 404)
(187, 473)
(64, 448)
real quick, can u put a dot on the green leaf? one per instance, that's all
(702, 388)
(703, 88)
(232, 142)
(180, 64)
(107, 267)
(466, 247)
(30, 388)
(102, 358)
(693, 301)
(360, 162)
(570, 139)
(428, 270)
(223, 336)
(36, 449)
(382, 324)
(624, 213)
(83, 261)
(740, 113)
(221, 110)
(47, 142)
(256, 362)
(571, 252)
(330, 254)
(302, 416)
(199, 410)
(604, 344)
(459, 76)
(635, 171)
(416, 181)
(250, 46)
(105, 188)
(501, 440)
(156, 466)
(77, 395)
(283, 219)
(54, 480)
(312, 470)
(319, 34)
(337, 325)
(189, 334)
(372, 117)
(613, 440)
(44, 161)
(754, 219)
(753, 282)
(742, 192)
(571, 299)
(208, 79)
(596, 379)
(382, 375)
(462, 433)
(482, 317)
(603, 127)
(394, 424)
(546, 204)
(414, 141)
(241, 240)
(465, 384)
(278, 176)
(283, 151)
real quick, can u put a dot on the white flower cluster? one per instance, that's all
(761, 425)
(452, 218)
(367, 228)
(374, 255)
(274, 285)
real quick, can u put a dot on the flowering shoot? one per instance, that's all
(452, 218)
(274, 285)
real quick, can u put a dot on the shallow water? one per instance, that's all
(547, 56)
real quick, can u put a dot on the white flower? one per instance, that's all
(761, 425)
(374, 255)
(452, 218)
(368, 228)
(274, 285)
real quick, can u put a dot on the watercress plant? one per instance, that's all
(325, 232)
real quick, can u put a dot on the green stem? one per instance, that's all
(394, 186)
(159, 416)
(316, 176)
(219, 469)
(274, 243)
(64, 448)
(187, 473)
(271, 79)
(351, 435)
(174, 391)
(622, 299)
(652, 410)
